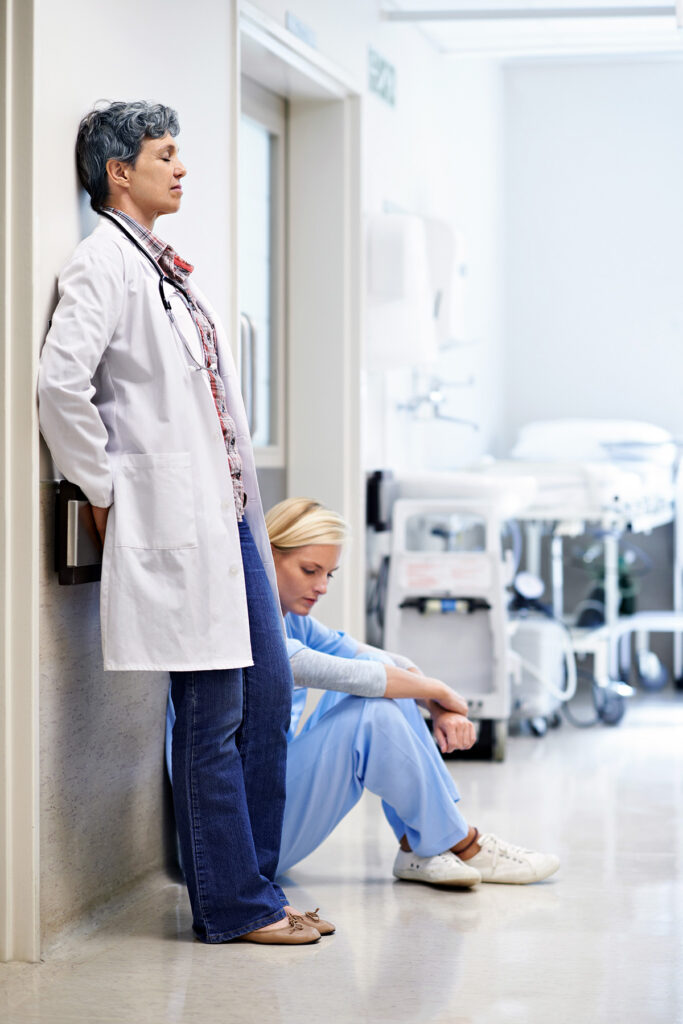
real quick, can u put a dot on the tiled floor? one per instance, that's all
(602, 941)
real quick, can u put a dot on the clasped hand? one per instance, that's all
(451, 726)
(452, 731)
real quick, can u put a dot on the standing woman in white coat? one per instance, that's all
(140, 406)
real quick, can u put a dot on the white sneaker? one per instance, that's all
(443, 869)
(498, 861)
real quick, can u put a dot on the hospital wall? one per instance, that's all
(457, 178)
(104, 807)
(593, 222)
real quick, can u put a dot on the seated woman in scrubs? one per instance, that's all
(367, 730)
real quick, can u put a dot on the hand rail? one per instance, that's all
(248, 370)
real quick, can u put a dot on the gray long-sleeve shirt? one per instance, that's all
(360, 677)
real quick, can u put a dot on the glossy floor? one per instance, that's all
(602, 941)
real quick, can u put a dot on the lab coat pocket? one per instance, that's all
(154, 499)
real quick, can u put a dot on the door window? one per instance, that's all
(262, 268)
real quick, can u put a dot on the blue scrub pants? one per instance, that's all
(353, 743)
(228, 761)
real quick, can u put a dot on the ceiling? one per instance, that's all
(512, 28)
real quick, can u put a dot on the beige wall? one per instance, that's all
(104, 809)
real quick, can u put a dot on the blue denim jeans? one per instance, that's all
(229, 757)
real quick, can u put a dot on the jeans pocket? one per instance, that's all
(154, 498)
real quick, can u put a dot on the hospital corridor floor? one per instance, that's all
(600, 941)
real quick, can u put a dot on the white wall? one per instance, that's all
(343, 28)
(439, 155)
(87, 51)
(594, 221)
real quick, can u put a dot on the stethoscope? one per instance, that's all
(164, 279)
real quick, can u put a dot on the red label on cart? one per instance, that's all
(457, 573)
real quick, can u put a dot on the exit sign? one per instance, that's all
(381, 77)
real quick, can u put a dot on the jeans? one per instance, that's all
(229, 758)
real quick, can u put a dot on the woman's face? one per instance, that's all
(303, 574)
(153, 185)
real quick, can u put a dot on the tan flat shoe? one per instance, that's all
(312, 918)
(297, 934)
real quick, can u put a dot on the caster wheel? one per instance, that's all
(538, 726)
(609, 705)
(555, 720)
(650, 672)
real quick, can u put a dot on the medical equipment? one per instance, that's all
(166, 302)
(446, 601)
(547, 676)
(547, 669)
(615, 476)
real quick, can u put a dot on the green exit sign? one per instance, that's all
(381, 77)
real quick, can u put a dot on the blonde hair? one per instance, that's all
(294, 522)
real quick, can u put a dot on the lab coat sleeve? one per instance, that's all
(91, 294)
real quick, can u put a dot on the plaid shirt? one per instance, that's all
(179, 271)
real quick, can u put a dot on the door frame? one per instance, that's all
(325, 273)
(19, 548)
(270, 112)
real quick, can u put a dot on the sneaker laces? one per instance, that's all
(501, 848)
(440, 858)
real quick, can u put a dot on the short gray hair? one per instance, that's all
(116, 132)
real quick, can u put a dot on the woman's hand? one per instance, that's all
(453, 731)
(407, 683)
(445, 699)
(100, 515)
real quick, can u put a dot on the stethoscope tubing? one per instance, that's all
(163, 279)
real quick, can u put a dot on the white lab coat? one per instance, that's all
(129, 419)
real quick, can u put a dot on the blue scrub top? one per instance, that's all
(305, 631)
